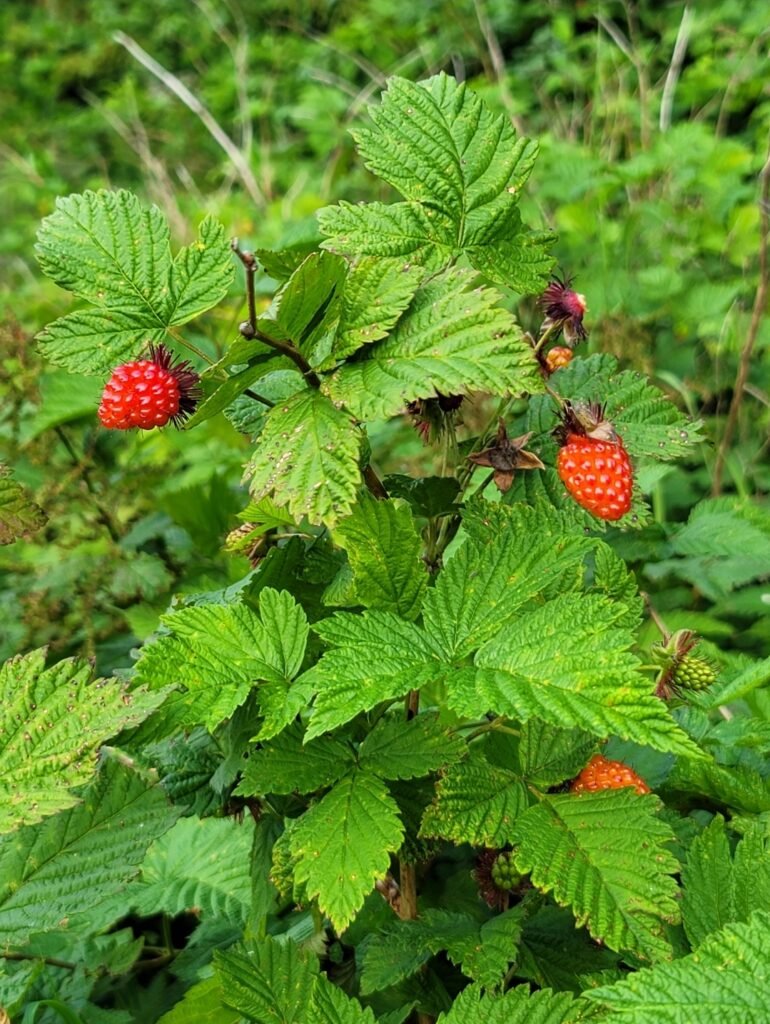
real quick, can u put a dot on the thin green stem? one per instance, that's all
(189, 346)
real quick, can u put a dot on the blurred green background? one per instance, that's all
(653, 120)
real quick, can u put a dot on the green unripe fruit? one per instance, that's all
(694, 673)
(504, 874)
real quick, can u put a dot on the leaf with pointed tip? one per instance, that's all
(288, 765)
(456, 163)
(80, 857)
(604, 854)
(202, 1004)
(344, 842)
(201, 274)
(517, 1006)
(450, 340)
(331, 1006)
(307, 455)
(268, 982)
(19, 515)
(306, 310)
(726, 979)
(384, 552)
(106, 247)
(52, 723)
(95, 341)
(348, 680)
(184, 870)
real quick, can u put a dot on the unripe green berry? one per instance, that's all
(694, 673)
(504, 874)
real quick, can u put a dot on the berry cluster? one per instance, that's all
(504, 874)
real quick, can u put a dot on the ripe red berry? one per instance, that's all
(148, 393)
(600, 773)
(597, 474)
(558, 357)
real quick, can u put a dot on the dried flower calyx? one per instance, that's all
(505, 456)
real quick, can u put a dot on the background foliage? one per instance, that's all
(648, 172)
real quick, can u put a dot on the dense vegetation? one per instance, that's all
(327, 772)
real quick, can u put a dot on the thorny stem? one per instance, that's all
(758, 311)
(250, 329)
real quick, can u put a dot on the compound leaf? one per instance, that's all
(218, 653)
(287, 765)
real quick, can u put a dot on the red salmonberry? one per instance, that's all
(558, 357)
(600, 773)
(593, 463)
(148, 393)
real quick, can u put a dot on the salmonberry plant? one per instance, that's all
(416, 765)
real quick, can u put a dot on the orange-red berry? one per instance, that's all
(148, 393)
(601, 773)
(558, 357)
(597, 474)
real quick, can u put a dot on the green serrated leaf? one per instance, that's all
(201, 274)
(331, 1006)
(649, 422)
(726, 979)
(94, 341)
(347, 680)
(106, 247)
(496, 573)
(343, 843)
(583, 678)
(517, 1006)
(451, 340)
(376, 294)
(384, 552)
(461, 169)
(708, 898)
(306, 310)
(604, 855)
(80, 857)
(52, 723)
(548, 755)
(476, 803)
(202, 1004)
(19, 515)
(308, 455)
(429, 496)
(287, 765)
(395, 749)
(185, 871)
(266, 981)
(220, 652)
